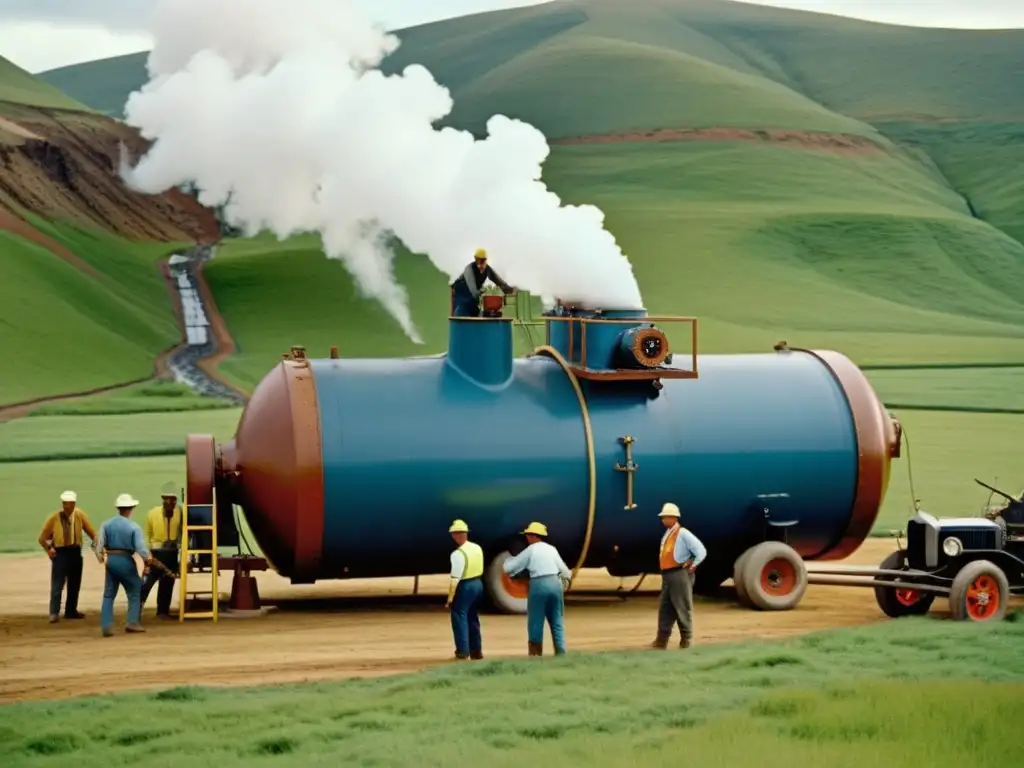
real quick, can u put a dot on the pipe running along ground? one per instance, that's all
(555, 355)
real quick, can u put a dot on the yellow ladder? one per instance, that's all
(185, 565)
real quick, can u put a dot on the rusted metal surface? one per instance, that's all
(278, 457)
(875, 436)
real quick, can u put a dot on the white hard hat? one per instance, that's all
(126, 501)
(69, 496)
(669, 510)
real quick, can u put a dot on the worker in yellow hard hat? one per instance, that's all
(162, 532)
(466, 592)
(469, 285)
(549, 577)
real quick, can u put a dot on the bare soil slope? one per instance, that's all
(63, 166)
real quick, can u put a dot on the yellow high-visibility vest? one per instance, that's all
(474, 560)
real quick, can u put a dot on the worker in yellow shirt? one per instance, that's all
(465, 592)
(162, 534)
(61, 537)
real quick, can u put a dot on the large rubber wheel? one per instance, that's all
(504, 594)
(737, 580)
(774, 576)
(980, 592)
(895, 602)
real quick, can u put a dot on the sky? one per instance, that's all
(42, 34)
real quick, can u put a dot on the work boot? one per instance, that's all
(134, 628)
(476, 655)
(460, 656)
(108, 633)
(54, 618)
(536, 649)
(74, 615)
(684, 643)
(660, 642)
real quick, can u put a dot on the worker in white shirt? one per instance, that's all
(465, 593)
(681, 553)
(549, 577)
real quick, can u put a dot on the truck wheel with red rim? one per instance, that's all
(505, 594)
(737, 580)
(774, 576)
(979, 592)
(896, 602)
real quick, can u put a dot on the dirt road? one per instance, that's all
(356, 628)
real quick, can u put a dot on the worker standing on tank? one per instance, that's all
(549, 578)
(465, 593)
(61, 538)
(162, 534)
(681, 553)
(469, 285)
(118, 540)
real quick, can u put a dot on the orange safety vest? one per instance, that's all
(668, 549)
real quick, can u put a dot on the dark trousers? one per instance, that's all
(676, 603)
(463, 302)
(165, 583)
(466, 616)
(66, 566)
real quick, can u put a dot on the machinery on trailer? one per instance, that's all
(977, 563)
(354, 468)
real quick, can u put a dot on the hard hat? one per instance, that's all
(126, 501)
(669, 510)
(169, 489)
(537, 529)
(69, 496)
(481, 254)
(458, 526)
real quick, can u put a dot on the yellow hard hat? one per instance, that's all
(669, 510)
(481, 254)
(537, 529)
(458, 526)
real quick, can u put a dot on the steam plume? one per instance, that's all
(276, 109)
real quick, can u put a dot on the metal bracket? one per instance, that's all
(629, 468)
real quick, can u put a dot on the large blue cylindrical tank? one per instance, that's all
(356, 467)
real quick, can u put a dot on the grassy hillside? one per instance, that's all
(76, 328)
(105, 84)
(19, 87)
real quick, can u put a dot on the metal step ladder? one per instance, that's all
(193, 512)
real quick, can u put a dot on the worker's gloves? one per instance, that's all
(566, 583)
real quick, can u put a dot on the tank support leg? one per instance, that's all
(629, 468)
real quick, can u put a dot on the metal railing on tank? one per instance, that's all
(658, 360)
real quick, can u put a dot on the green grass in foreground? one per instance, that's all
(149, 397)
(853, 698)
(110, 436)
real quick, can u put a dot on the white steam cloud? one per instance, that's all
(276, 110)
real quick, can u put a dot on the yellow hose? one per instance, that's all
(555, 355)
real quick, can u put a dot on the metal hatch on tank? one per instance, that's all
(355, 467)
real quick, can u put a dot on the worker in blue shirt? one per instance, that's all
(549, 577)
(681, 553)
(119, 539)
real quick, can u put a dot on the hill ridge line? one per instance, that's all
(845, 143)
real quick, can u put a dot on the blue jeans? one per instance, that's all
(545, 602)
(463, 302)
(466, 617)
(121, 572)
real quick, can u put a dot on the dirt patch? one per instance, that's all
(836, 143)
(219, 329)
(65, 167)
(360, 628)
